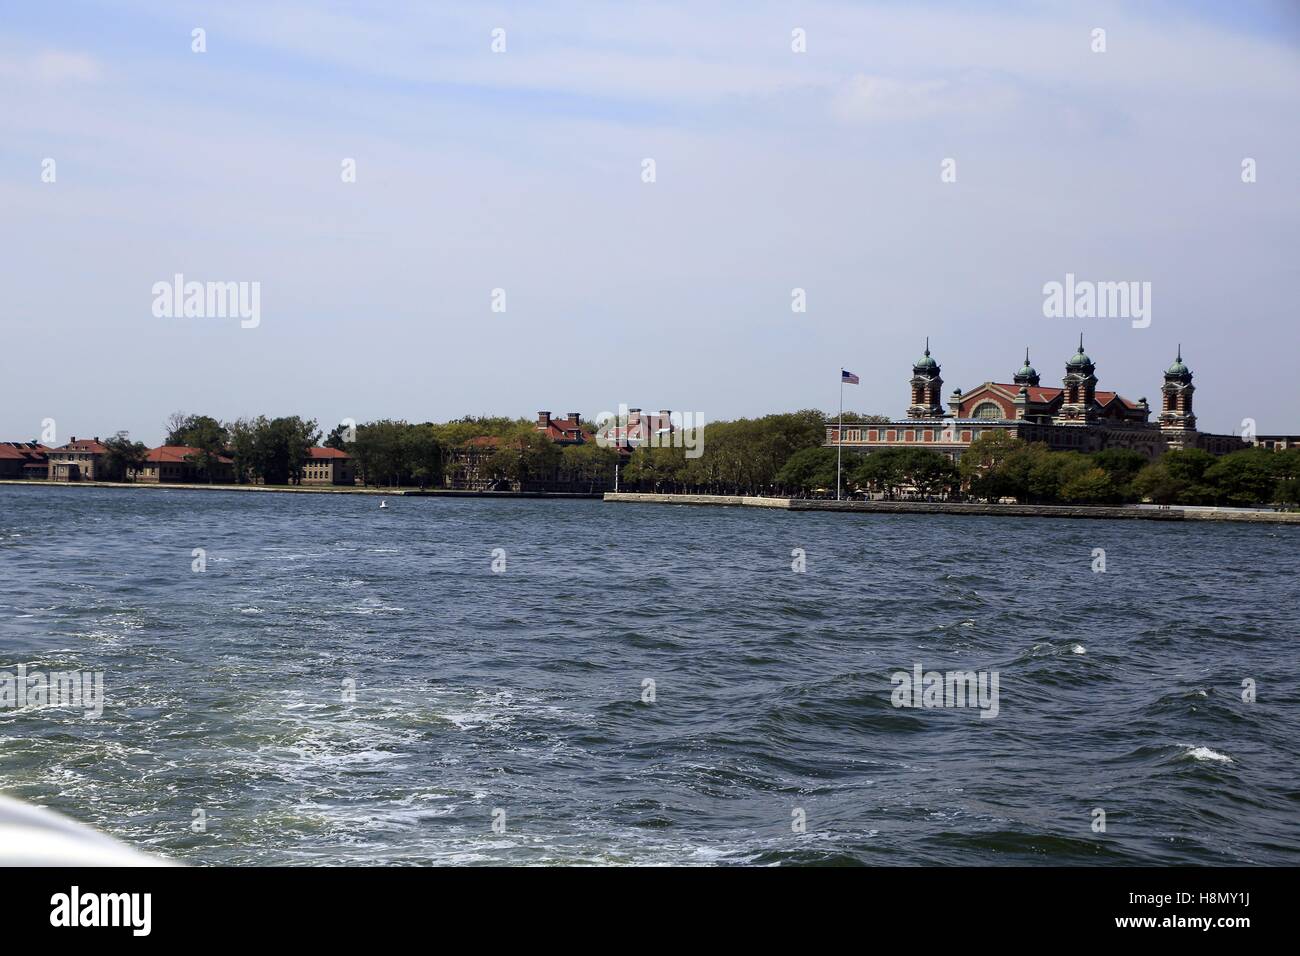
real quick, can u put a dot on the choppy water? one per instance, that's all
(523, 690)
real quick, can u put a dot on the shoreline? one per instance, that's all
(306, 489)
(957, 508)
(743, 501)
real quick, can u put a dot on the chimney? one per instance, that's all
(543, 419)
(72, 439)
(665, 419)
(575, 417)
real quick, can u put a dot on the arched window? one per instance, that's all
(987, 410)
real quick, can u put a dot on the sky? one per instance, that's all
(524, 171)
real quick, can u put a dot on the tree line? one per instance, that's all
(392, 453)
(386, 453)
(784, 454)
(999, 466)
(271, 451)
(779, 454)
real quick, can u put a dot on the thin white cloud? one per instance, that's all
(51, 68)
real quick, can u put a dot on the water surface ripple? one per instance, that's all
(522, 690)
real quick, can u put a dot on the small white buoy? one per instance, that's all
(383, 503)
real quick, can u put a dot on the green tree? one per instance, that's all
(208, 437)
(810, 469)
(245, 449)
(123, 456)
(1155, 483)
(1188, 467)
(193, 430)
(1287, 471)
(1122, 465)
(380, 452)
(1245, 478)
(338, 438)
(983, 465)
(588, 464)
(421, 455)
(281, 447)
(1087, 484)
(929, 472)
(880, 471)
(527, 458)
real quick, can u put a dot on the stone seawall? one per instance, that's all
(961, 508)
(305, 489)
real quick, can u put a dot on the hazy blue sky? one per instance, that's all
(522, 171)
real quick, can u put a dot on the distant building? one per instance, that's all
(562, 431)
(639, 429)
(1276, 442)
(78, 460)
(329, 466)
(175, 463)
(1075, 417)
(466, 467)
(24, 459)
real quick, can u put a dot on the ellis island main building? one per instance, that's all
(1075, 417)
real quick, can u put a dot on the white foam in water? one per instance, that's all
(1205, 753)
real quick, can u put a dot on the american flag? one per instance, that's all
(848, 377)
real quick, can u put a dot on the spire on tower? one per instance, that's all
(1027, 375)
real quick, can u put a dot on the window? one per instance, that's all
(987, 410)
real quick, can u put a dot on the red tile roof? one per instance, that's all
(86, 445)
(1105, 398)
(176, 453)
(1045, 395)
(34, 452)
(563, 429)
(326, 452)
(639, 429)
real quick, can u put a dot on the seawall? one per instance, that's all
(306, 489)
(961, 508)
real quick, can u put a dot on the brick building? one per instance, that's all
(24, 459)
(562, 431)
(176, 463)
(78, 460)
(466, 466)
(1276, 442)
(1075, 417)
(329, 466)
(637, 428)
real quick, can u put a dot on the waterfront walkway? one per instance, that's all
(967, 508)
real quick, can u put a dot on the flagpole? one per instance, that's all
(839, 438)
